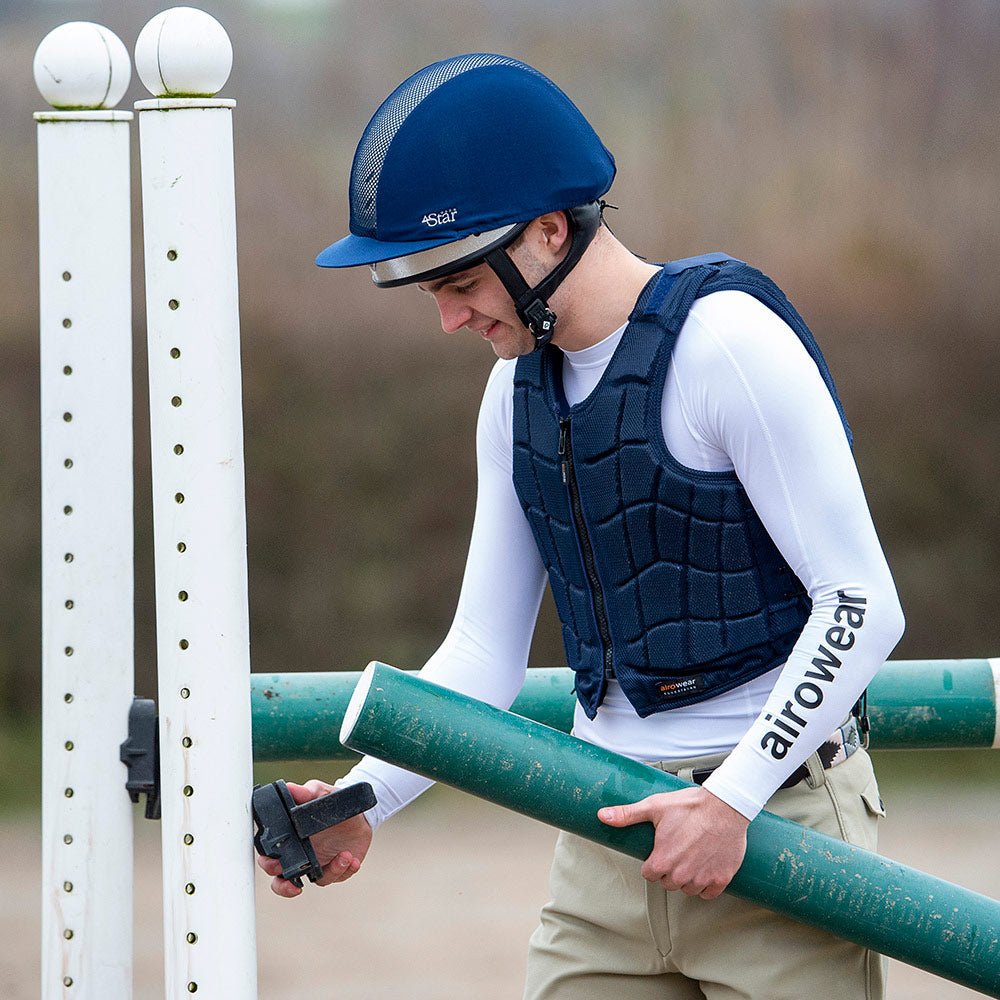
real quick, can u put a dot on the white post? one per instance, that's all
(86, 425)
(199, 519)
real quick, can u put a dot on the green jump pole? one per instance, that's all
(552, 777)
(298, 716)
(913, 704)
(935, 704)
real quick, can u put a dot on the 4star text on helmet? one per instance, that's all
(433, 219)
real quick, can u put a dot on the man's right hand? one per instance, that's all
(339, 849)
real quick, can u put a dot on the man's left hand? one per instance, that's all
(699, 843)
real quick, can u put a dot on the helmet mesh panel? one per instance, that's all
(382, 129)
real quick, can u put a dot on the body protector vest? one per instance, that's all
(663, 576)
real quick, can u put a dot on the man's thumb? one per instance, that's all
(624, 815)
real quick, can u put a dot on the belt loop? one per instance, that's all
(686, 774)
(817, 775)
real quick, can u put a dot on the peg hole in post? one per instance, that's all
(68, 650)
(182, 595)
(68, 793)
(185, 693)
(188, 839)
(67, 276)
(186, 743)
(191, 937)
(176, 401)
(68, 744)
(67, 323)
(68, 934)
(67, 417)
(68, 463)
(183, 644)
(189, 888)
(67, 981)
(67, 838)
(67, 697)
(67, 886)
(69, 605)
(68, 557)
(178, 449)
(188, 791)
(182, 546)
(67, 510)
(171, 255)
(179, 497)
(174, 304)
(175, 352)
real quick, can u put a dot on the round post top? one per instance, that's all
(183, 52)
(82, 66)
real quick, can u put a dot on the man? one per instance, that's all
(666, 446)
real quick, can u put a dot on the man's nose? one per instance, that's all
(454, 315)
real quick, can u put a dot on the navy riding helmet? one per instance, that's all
(455, 164)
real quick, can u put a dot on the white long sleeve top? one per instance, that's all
(741, 394)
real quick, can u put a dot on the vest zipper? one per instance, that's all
(589, 562)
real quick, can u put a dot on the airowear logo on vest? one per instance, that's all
(677, 688)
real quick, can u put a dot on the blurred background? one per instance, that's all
(848, 149)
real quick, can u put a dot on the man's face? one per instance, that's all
(475, 299)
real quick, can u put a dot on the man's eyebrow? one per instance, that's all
(434, 286)
(449, 279)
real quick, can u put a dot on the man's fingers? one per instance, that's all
(625, 815)
(271, 866)
(342, 867)
(675, 883)
(312, 789)
(282, 887)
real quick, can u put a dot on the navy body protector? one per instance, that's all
(663, 576)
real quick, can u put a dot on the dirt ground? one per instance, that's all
(444, 909)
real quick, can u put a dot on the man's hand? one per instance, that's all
(339, 849)
(699, 843)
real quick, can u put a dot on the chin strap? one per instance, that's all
(532, 303)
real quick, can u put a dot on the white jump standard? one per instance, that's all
(85, 282)
(199, 507)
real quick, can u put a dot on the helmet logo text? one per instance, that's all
(433, 219)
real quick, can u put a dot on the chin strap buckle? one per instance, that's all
(541, 321)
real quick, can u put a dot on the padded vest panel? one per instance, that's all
(673, 563)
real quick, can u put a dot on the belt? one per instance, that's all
(844, 742)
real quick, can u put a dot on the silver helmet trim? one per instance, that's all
(438, 261)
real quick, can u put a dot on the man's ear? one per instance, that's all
(553, 233)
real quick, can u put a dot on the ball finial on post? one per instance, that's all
(183, 52)
(82, 66)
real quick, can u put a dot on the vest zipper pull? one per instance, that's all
(563, 440)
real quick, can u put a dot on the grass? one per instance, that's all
(20, 765)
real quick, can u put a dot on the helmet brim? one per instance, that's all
(417, 261)
(353, 251)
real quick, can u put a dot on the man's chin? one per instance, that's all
(512, 347)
